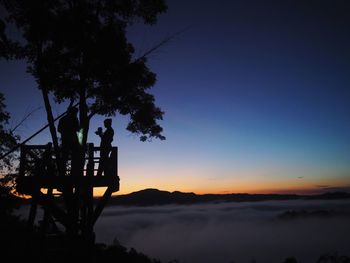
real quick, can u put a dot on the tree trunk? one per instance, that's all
(83, 111)
(53, 132)
(50, 120)
(48, 109)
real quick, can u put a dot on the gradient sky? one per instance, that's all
(255, 93)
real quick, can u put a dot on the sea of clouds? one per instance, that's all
(229, 232)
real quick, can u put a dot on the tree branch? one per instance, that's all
(160, 44)
(24, 119)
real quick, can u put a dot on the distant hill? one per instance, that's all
(150, 197)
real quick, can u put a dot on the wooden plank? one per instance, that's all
(56, 182)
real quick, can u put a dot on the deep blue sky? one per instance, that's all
(255, 94)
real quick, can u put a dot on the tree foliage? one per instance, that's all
(7, 141)
(78, 50)
(7, 138)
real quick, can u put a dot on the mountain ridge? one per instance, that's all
(153, 196)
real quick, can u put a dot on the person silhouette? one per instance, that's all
(105, 145)
(68, 126)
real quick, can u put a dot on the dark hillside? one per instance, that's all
(149, 197)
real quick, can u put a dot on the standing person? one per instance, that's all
(68, 127)
(105, 146)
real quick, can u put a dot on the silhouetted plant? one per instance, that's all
(8, 200)
(121, 254)
(92, 62)
(22, 244)
(290, 260)
(7, 138)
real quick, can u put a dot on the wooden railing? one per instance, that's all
(39, 169)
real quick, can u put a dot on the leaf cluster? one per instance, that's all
(78, 50)
(8, 139)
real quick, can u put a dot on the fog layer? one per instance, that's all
(227, 232)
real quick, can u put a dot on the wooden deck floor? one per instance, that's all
(27, 184)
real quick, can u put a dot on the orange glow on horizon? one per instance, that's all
(199, 180)
(204, 180)
(301, 190)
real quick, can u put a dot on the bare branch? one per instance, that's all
(24, 119)
(39, 131)
(160, 44)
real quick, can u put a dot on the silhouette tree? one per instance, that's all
(7, 140)
(78, 51)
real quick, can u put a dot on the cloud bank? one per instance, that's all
(226, 232)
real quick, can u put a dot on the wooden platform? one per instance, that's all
(65, 194)
(38, 170)
(28, 184)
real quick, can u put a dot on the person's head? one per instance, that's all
(108, 122)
